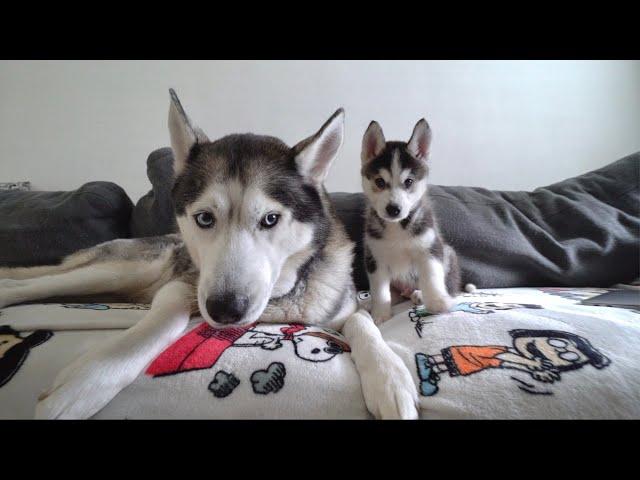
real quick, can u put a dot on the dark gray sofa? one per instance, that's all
(583, 231)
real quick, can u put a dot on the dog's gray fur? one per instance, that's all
(323, 288)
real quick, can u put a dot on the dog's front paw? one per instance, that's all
(4, 299)
(438, 303)
(389, 391)
(79, 391)
(8, 289)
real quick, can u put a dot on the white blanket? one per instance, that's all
(508, 353)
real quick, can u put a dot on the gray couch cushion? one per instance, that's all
(153, 214)
(39, 228)
(583, 231)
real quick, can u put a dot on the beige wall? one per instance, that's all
(497, 124)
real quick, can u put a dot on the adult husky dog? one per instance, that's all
(258, 242)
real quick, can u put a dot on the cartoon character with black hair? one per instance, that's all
(543, 354)
(14, 350)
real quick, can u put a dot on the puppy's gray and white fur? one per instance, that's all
(258, 241)
(404, 250)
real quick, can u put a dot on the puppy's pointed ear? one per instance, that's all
(373, 142)
(183, 133)
(420, 143)
(315, 154)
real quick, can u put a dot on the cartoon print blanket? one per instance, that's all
(504, 353)
(522, 353)
(257, 371)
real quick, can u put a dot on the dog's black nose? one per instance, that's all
(227, 308)
(393, 210)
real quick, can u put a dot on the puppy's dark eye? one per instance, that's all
(270, 220)
(380, 183)
(204, 219)
(408, 182)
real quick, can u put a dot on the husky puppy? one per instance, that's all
(403, 248)
(258, 241)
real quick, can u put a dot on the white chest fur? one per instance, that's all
(399, 251)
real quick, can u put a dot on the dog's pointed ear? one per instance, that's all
(315, 154)
(373, 142)
(420, 143)
(183, 133)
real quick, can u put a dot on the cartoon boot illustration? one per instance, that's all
(428, 377)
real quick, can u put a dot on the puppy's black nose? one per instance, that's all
(227, 308)
(393, 210)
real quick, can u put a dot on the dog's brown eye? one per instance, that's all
(204, 219)
(270, 220)
(380, 183)
(408, 182)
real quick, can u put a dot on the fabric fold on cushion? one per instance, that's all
(579, 232)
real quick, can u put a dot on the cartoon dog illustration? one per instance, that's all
(202, 347)
(108, 306)
(543, 354)
(417, 314)
(309, 345)
(577, 294)
(482, 308)
(14, 350)
(479, 294)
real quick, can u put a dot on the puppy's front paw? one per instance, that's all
(79, 391)
(438, 303)
(389, 391)
(381, 313)
(416, 297)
